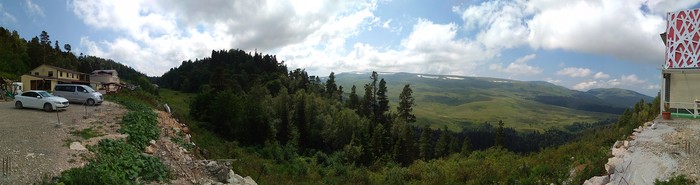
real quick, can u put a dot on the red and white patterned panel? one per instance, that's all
(683, 38)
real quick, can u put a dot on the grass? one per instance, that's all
(87, 133)
(460, 104)
(677, 180)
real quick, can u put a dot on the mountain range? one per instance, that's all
(459, 102)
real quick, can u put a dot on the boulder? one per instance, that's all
(617, 144)
(612, 164)
(77, 146)
(618, 152)
(152, 142)
(249, 181)
(149, 150)
(597, 180)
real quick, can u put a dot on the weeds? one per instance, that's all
(87, 133)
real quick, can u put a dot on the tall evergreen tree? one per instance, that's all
(353, 99)
(382, 103)
(441, 147)
(406, 103)
(500, 135)
(424, 143)
(466, 147)
(331, 87)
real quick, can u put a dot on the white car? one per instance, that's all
(40, 100)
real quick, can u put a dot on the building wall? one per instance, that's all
(684, 88)
(27, 82)
(44, 70)
(682, 39)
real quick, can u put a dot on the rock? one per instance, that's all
(233, 178)
(597, 180)
(149, 150)
(186, 130)
(617, 144)
(77, 146)
(612, 164)
(633, 137)
(617, 152)
(626, 144)
(152, 142)
(653, 126)
(249, 180)
(649, 123)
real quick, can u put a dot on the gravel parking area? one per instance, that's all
(33, 147)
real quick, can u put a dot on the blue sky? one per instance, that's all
(579, 44)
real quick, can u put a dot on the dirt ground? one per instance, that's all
(33, 147)
(668, 149)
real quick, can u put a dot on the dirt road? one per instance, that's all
(35, 148)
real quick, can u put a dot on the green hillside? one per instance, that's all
(459, 102)
(619, 97)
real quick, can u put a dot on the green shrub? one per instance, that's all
(677, 180)
(117, 162)
(141, 127)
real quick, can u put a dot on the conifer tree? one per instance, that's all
(406, 103)
(424, 143)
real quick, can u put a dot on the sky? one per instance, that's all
(579, 44)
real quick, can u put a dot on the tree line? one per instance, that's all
(18, 56)
(252, 99)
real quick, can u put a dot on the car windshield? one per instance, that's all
(44, 94)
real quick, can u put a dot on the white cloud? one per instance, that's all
(601, 75)
(574, 72)
(500, 23)
(585, 85)
(554, 81)
(600, 27)
(34, 8)
(625, 81)
(631, 79)
(518, 67)
(150, 37)
(6, 16)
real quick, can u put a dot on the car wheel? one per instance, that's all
(90, 102)
(18, 104)
(47, 107)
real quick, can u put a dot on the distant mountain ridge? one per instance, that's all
(457, 101)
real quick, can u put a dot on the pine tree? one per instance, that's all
(441, 147)
(406, 103)
(382, 103)
(500, 138)
(331, 87)
(366, 107)
(354, 100)
(466, 146)
(424, 143)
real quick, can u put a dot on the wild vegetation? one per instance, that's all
(286, 126)
(119, 161)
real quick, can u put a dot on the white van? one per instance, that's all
(78, 93)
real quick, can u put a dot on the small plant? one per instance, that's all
(142, 126)
(179, 140)
(677, 180)
(86, 133)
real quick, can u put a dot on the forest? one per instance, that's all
(18, 56)
(252, 102)
(288, 127)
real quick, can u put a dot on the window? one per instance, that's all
(50, 73)
(65, 88)
(81, 89)
(30, 94)
(60, 73)
(36, 73)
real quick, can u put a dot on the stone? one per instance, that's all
(233, 178)
(248, 180)
(149, 150)
(617, 152)
(613, 162)
(653, 126)
(77, 146)
(597, 180)
(626, 144)
(186, 130)
(617, 144)
(152, 142)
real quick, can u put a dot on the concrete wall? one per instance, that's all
(684, 88)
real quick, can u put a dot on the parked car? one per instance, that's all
(78, 94)
(40, 100)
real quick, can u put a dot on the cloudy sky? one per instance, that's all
(579, 44)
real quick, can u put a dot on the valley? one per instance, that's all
(461, 102)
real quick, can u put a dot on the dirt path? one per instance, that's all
(665, 150)
(35, 148)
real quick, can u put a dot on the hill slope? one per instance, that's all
(619, 97)
(458, 101)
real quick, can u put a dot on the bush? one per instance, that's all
(141, 127)
(117, 162)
